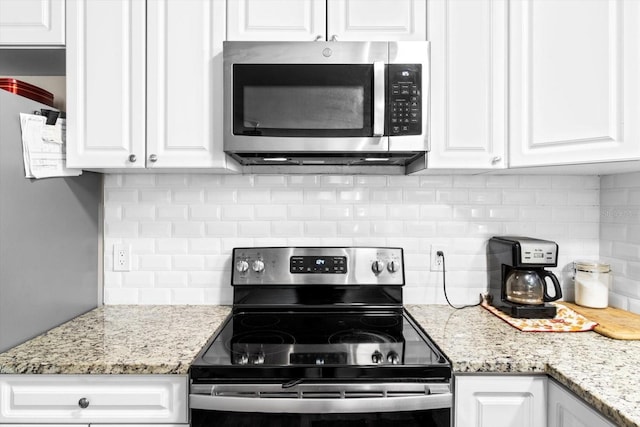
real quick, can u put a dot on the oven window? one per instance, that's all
(302, 100)
(430, 418)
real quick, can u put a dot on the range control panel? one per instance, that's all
(318, 265)
(405, 99)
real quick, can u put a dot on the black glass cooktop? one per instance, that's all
(295, 345)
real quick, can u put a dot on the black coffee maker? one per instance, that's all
(518, 279)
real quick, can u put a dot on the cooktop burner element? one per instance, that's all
(333, 314)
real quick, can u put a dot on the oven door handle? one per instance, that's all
(378, 98)
(318, 406)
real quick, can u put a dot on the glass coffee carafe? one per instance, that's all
(530, 287)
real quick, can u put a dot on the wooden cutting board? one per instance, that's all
(612, 322)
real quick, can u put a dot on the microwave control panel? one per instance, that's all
(405, 99)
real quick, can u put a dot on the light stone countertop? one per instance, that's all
(119, 339)
(602, 371)
(166, 339)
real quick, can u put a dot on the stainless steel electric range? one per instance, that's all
(318, 336)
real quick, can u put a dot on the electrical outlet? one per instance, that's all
(436, 261)
(121, 257)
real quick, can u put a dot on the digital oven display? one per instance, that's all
(318, 264)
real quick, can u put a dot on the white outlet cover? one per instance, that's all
(121, 257)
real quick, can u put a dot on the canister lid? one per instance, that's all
(592, 266)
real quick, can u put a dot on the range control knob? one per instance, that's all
(242, 266)
(242, 359)
(392, 266)
(377, 357)
(258, 266)
(377, 267)
(393, 358)
(258, 358)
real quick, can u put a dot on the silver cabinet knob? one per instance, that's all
(334, 38)
(83, 403)
(318, 38)
(153, 158)
(133, 158)
(496, 159)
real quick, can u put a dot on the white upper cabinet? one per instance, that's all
(106, 84)
(575, 81)
(143, 80)
(184, 77)
(305, 20)
(286, 20)
(32, 22)
(468, 84)
(384, 20)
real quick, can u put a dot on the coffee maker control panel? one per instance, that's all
(538, 252)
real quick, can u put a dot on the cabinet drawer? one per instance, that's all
(108, 398)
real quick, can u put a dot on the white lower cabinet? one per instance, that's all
(500, 401)
(567, 410)
(93, 399)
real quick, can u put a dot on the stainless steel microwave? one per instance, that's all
(326, 103)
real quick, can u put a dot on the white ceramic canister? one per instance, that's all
(592, 281)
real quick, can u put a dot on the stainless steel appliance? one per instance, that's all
(517, 276)
(318, 337)
(327, 103)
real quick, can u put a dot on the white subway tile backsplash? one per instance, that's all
(154, 196)
(154, 262)
(172, 212)
(221, 196)
(121, 196)
(183, 227)
(287, 228)
(221, 229)
(188, 196)
(155, 229)
(187, 262)
(254, 229)
(270, 181)
(137, 181)
(370, 181)
(139, 212)
(189, 229)
(171, 279)
(272, 212)
(336, 181)
(336, 212)
(204, 212)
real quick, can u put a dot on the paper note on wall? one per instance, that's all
(44, 148)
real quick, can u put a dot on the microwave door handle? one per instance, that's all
(378, 98)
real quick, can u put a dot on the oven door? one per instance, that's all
(319, 405)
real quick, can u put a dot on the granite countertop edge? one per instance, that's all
(160, 340)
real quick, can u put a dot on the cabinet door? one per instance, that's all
(106, 83)
(500, 401)
(468, 84)
(32, 22)
(567, 410)
(184, 78)
(286, 20)
(93, 399)
(385, 20)
(575, 79)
